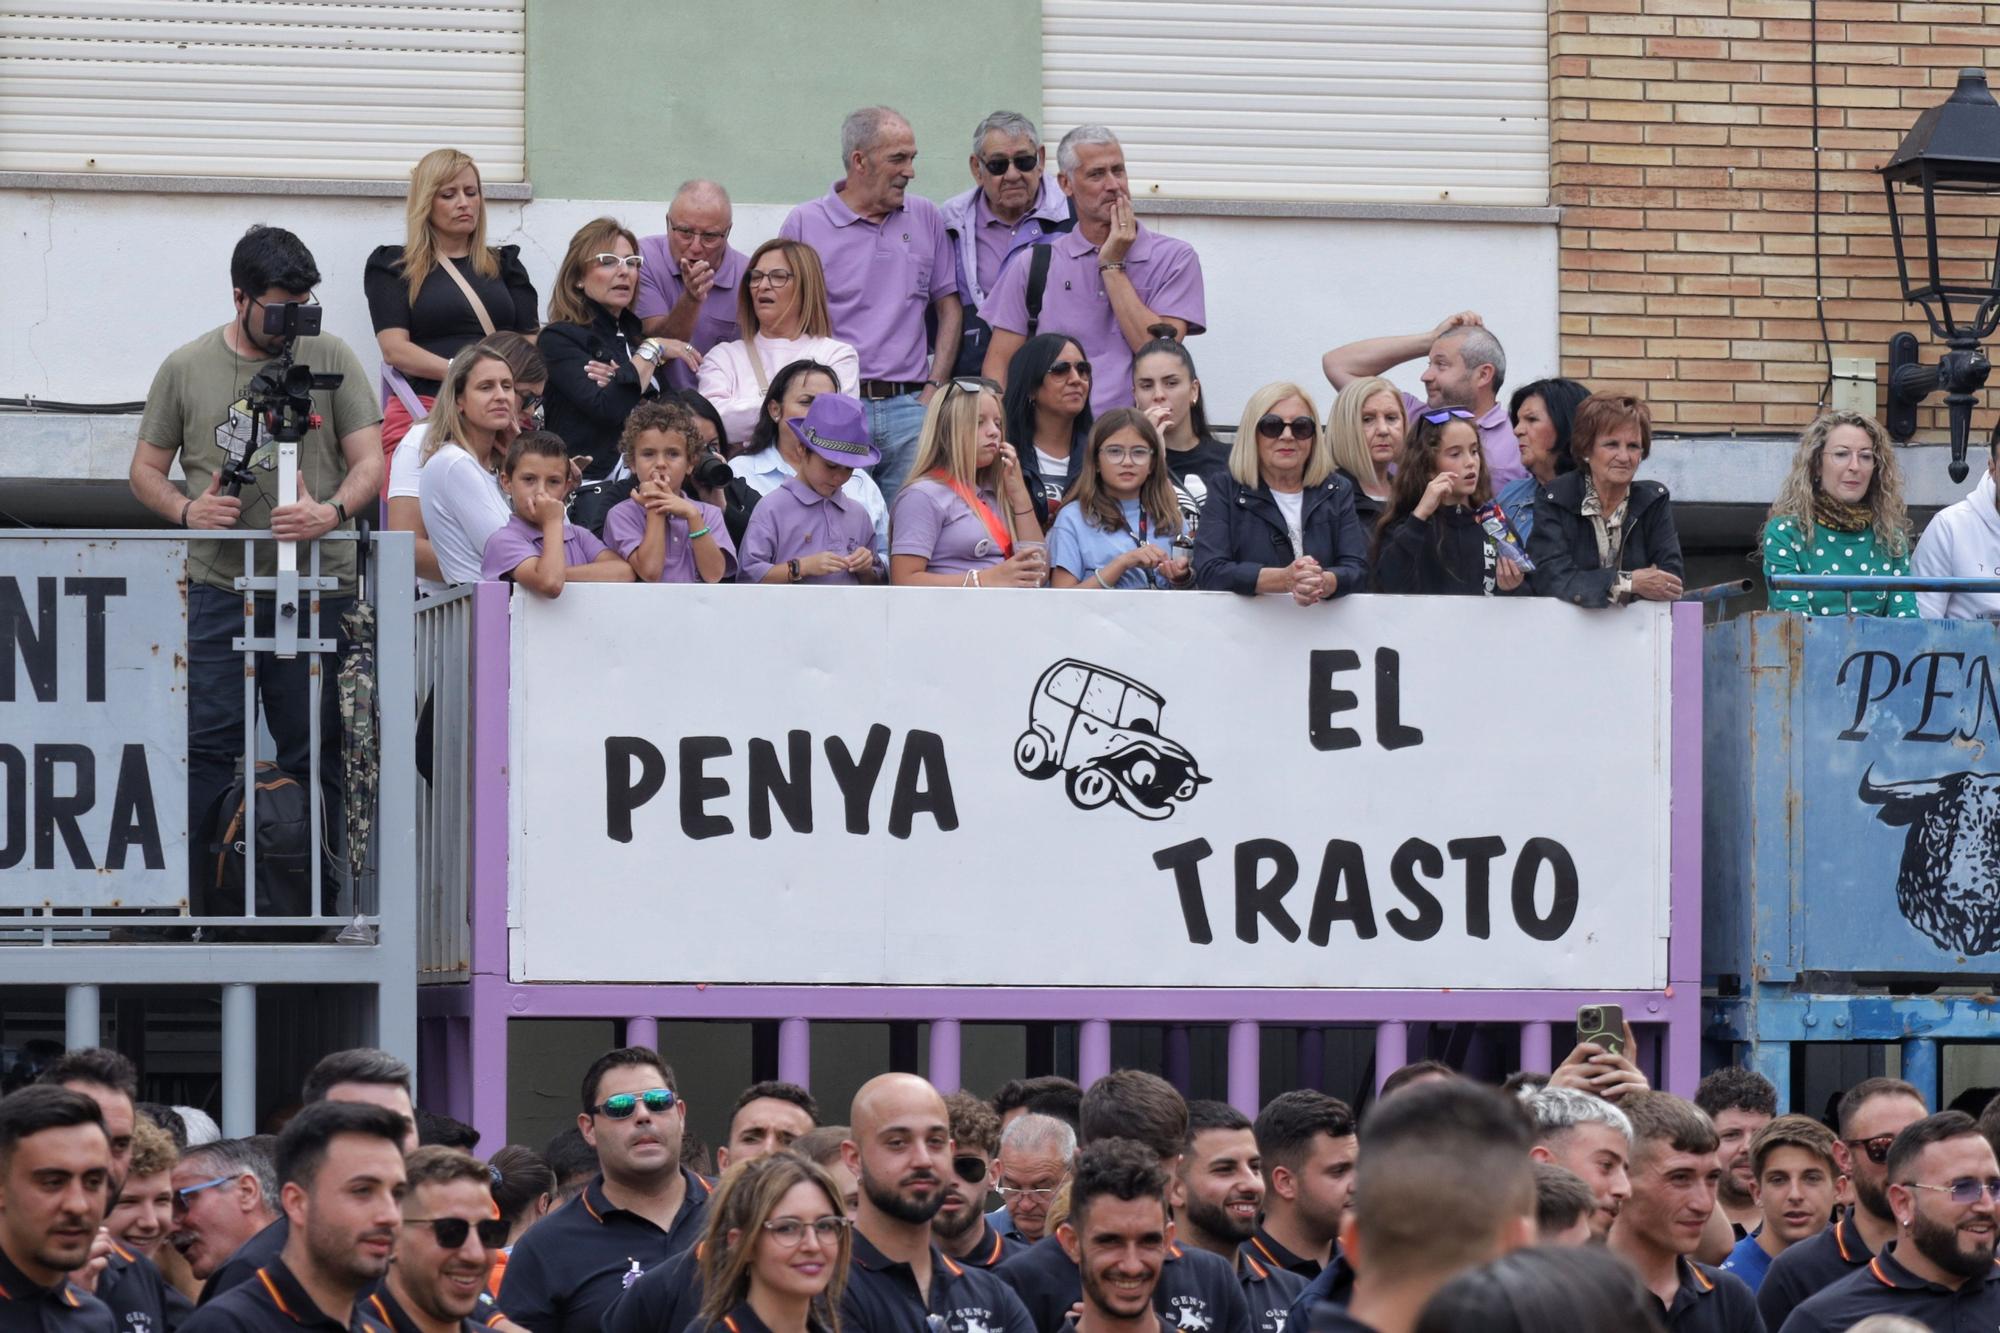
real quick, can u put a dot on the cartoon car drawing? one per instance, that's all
(1101, 729)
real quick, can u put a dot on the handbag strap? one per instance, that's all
(393, 381)
(471, 297)
(756, 362)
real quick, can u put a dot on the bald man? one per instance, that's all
(899, 1147)
(689, 284)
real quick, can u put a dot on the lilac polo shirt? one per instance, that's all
(660, 286)
(880, 278)
(1166, 273)
(994, 240)
(520, 540)
(795, 520)
(928, 519)
(1496, 440)
(625, 528)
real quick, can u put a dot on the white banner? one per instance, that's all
(947, 787)
(93, 723)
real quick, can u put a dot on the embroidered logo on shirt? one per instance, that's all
(1190, 1314)
(636, 1273)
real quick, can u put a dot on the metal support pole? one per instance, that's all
(1392, 1049)
(1093, 1050)
(1920, 1067)
(1773, 1059)
(1176, 1057)
(1538, 1046)
(1244, 1049)
(82, 1024)
(795, 1051)
(239, 1060)
(643, 1032)
(946, 1055)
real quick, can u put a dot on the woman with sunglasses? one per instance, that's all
(774, 1254)
(600, 363)
(783, 314)
(1430, 539)
(1282, 520)
(1048, 404)
(1118, 524)
(1602, 538)
(965, 519)
(775, 454)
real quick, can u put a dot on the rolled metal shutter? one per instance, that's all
(1420, 102)
(247, 88)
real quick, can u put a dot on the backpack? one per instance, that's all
(284, 850)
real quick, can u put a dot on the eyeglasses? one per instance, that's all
(452, 1231)
(774, 277)
(693, 233)
(1272, 427)
(181, 1200)
(1038, 1194)
(1118, 453)
(974, 384)
(1965, 1190)
(970, 1169)
(1021, 162)
(613, 261)
(312, 299)
(621, 1105)
(1876, 1148)
(1444, 414)
(1061, 369)
(791, 1231)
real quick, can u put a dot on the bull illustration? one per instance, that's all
(1949, 883)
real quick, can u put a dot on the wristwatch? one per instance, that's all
(651, 352)
(793, 565)
(339, 509)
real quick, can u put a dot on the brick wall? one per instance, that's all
(1682, 143)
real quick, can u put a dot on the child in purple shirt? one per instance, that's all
(666, 536)
(538, 548)
(806, 531)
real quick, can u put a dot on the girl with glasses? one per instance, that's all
(775, 1252)
(1118, 523)
(1430, 539)
(1282, 520)
(965, 518)
(1048, 406)
(782, 311)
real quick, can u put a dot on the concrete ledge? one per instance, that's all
(1279, 208)
(282, 186)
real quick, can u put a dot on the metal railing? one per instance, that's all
(1849, 584)
(444, 803)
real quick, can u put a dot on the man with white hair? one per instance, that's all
(689, 283)
(1464, 372)
(1036, 1153)
(1592, 1138)
(888, 263)
(1013, 205)
(1109, 281)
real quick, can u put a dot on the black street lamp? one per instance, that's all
(1954, 148)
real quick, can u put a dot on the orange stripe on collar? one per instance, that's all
(1270, 1258)
(1257, 1270)
(1840, 1242)
(1701, 1277)
(381, 1309)
(1875, 1267)
(956, 1271)
(264, 1276)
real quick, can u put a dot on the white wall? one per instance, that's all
(96, 287)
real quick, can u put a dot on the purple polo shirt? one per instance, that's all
(520, 540)
(1165, 272)
(660, 286)
(1496, 439)
(928, 519)
(994, 240)
(795, 520)
(625, 528)
(880, 278)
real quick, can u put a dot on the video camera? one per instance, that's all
(279, 396)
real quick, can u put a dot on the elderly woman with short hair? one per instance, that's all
(1840, 511)
(1601, 537)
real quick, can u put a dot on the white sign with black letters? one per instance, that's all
(939, 787)
(93, 723)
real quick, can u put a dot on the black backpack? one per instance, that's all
(284, 850)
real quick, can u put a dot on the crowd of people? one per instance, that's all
(1581, 1200)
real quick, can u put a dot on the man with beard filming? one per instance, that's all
(898, 1146)
(1118, 1234)
(1222, 1191)
(960, 1226)
(1943, 1187)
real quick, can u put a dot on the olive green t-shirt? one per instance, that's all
(195, 408)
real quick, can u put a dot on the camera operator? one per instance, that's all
(196, 408)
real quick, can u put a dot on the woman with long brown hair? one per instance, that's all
(774, 1254)
(1429, 538)
(458, 490)
(1117, 525)
(783, 314)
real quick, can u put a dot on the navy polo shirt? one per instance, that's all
(1273, 1255)
(385, 1308)
(569, 1267)
(882, 1296)
(1884, 1286)
(263, 1248)
(1326, 1317)
(141, 1300)
(274, 1302)
(28, 1307)
(1810, 1267)
(993, 1250)
(1335, 1284)
(1711, 1301)
(743, 1319)
(665, 1300)
(1198, 1291)
(1268, 1291)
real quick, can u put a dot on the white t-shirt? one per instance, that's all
(1293, 507)
(406, 461)
(728, 380)
(463, 505)
(1055, 476)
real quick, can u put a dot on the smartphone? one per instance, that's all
(1602, 1025)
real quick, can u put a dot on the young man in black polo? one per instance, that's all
(1308, 1145)
(643, 1208)
(960, 1227)
(445, 1248)
(1939, 1270)
(767, 1116)
(1221, 1186)
(340, 1179)
(899, 1146)
(1198, 1291)
(1868, 1119)
(1117, 1234)
(55, 1189)
(1675, 1172)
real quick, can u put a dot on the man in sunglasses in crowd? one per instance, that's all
(1464, 369)
(1869, 1117)
(960, 1225)
(643, 1208)
(445, 1247)
(1013, 205)
(1944, 1197)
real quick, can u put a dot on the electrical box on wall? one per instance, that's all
(1854, 384)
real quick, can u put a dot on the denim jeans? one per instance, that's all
(893, 427)
(216, 742)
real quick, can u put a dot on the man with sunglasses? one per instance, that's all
(445, 1248)
(960, 1225)
(643, 1208)
(1465, 367)
(1870, 1116)
(692, 276)
(1944, 1193)
(1013, 205)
